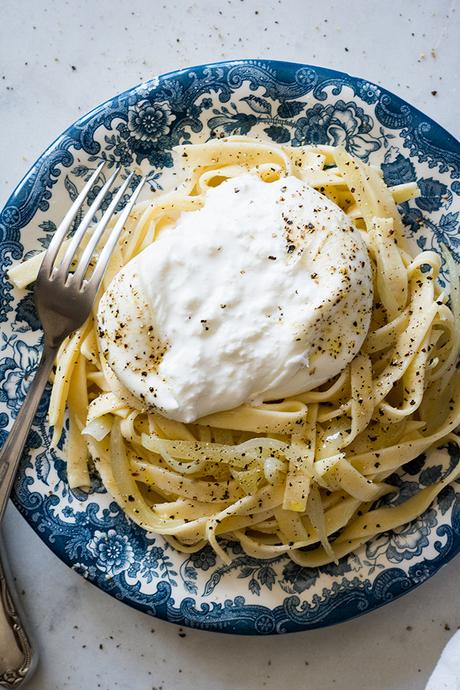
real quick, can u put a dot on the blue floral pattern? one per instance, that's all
(284, 103)
(16, 372)
(112, 552)
(340, 124)
(404, 543)
(150, 121)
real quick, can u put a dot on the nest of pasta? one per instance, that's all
(302, 476)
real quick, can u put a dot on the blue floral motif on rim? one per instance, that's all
(284, 103)
(112, 551)
(16, 372)
(150, 121)
(341, 124)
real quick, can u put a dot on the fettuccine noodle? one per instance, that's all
(302, 472)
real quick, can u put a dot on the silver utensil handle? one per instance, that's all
(17, 657)
(11, 452)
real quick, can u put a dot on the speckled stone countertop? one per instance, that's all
(58, 60)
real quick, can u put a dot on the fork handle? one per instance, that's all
(11, 452)
(17, 656)
(17, 659)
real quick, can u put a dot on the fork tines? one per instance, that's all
(59, 271)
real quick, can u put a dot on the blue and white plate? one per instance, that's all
(284, 103)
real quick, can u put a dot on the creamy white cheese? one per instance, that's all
(263, 293)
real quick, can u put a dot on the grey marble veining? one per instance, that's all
(58, 60)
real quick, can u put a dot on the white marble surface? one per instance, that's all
(58, 60)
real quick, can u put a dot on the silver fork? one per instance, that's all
(64, 299)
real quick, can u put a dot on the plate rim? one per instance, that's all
(236, 61)
(161, 603)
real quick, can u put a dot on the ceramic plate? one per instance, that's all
(284, 103)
